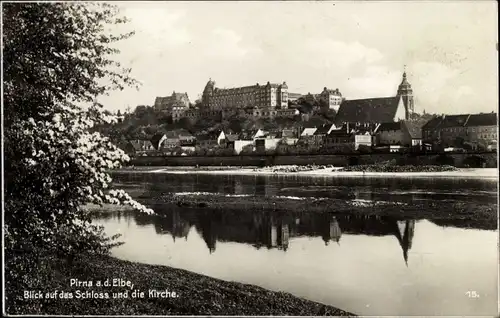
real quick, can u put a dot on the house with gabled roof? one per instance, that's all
(169, 140)
(142, 145)
(185, 136)
(206, 140)
(348, 137)
(288, 136)
(157, 140)
(414, 130)
(308, 131)
(321, 132)
(229, 140)
(403, 133)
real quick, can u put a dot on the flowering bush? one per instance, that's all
(56, 62)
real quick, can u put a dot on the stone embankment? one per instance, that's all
(294, 168)
(392, 166)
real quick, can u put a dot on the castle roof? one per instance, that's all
(332, 91)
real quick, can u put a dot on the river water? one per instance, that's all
(368, 265)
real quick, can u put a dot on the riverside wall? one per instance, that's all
(461, 160)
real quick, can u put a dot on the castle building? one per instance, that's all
(378, 110)
(176, 104)
(331, 97)
(261, 96)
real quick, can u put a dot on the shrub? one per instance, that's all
(56, 61)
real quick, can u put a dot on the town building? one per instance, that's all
(349, 137)
(378, 110)
(185, 137)
(321, 132)
(467, 130)
(270, 96)
(229, 140)
(175, 104)
(288, 136)
(308, 131)
(211, 139)
(169, 140)
(403, 133)
(245, 140)
(332, 98)
(272, 113)
(194, 114)
(267, 141)
(206, 141)
(142, 146)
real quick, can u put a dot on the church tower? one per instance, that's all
(406, 93)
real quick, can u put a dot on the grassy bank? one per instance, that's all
(196, 294)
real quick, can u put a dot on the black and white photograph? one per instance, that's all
(250, 158)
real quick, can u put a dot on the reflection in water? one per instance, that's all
(405, 236)
(295, 253)
(333, 258)
(271, 231)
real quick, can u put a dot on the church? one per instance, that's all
(378, 110)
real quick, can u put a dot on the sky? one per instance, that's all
(449, 49)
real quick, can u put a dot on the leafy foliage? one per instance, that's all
(57, 60)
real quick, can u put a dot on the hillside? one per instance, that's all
(147, 122)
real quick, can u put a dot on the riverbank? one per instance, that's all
(461, 160)
(480, 173)
(195, 294)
